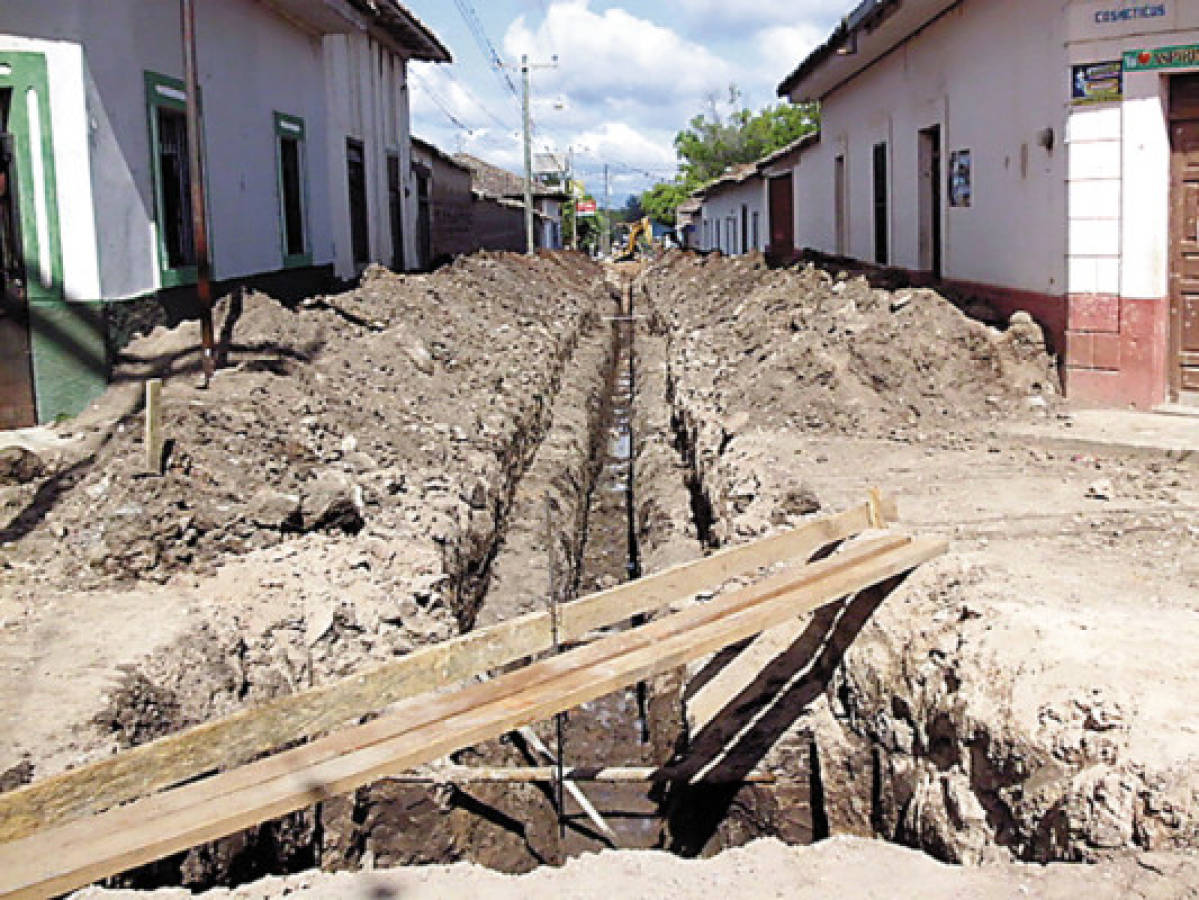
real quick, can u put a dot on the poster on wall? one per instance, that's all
(1100, 82)
(1184, 56)
(959, 178)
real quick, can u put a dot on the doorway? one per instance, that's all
(424, 217)
(360, 239)
(882, 218)
(395, 208)
(782, 218)
(1184, 239)
(929, 202)
(17, 408)
(840, 213)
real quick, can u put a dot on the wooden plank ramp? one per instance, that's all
(423, 729)
(247, 734)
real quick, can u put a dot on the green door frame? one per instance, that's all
(26, 74)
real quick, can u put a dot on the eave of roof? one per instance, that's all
(799, 144)
(436, 151)
(863, 16)
(405, 28)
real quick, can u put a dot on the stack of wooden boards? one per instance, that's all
(69, 830)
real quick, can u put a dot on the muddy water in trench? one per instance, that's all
(613, 729)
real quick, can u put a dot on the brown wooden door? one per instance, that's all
(782, 217)
(1184, 237)
(16, 369)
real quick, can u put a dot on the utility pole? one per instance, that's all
(196, 167)
(525, 67)
(529, 243)
(607, 237)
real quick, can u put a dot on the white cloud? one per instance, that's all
(633, 147)
(613, 56)
(783, 47)
(716, 18)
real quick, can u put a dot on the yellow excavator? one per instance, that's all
(639, 240)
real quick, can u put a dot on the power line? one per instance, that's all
(441, 104)
(486, 47)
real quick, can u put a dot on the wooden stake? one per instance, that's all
(154, 426)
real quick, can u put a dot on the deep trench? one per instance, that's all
(641, 725)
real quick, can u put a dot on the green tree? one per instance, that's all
(726, 134)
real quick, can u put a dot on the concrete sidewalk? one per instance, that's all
(1172, 432)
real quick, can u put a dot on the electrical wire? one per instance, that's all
(486, 47)
(440, 104)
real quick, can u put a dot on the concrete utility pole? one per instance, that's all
(196, 167)
(525, 67)
(606, 243)
(524, 74)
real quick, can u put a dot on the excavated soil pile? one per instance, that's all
(335, 497)
(803, 348)
(1015, 698)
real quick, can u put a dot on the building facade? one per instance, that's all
(732, 215)
(444, 226)
(1021, 152)
(95, 206)
(493, 183)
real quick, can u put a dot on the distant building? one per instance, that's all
(306, 142)
(499, 184)
(1040, 155)
(687, 222)
(444, 221)
(732, 217)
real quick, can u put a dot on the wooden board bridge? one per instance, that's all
(199, 785)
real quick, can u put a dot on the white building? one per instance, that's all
(304, 108)
(732, 216)
(1039, 155)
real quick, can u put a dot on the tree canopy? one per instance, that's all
(726, 134)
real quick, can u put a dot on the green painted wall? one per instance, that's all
(70, 359)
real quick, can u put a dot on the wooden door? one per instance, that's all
(1184, 239)
(16, 368)
(782, 218)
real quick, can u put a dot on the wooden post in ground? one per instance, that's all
(154, 426)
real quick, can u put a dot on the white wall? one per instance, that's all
(252, 63)
(1120, 156)
(726, 202)
(69, 133)
(983, 73)
(373, 109)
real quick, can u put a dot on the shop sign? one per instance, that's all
(1099, 82)
(585, 207)
(1129, 13)
(1163, 58)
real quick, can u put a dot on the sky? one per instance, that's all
(629, 75)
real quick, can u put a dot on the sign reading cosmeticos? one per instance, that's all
(1124, 14)
(1162, 58)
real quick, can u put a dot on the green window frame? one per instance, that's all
(291, 179)
(167, 97)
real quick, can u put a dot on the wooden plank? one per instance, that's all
(250, 733)
(740, 673)
(154, 426)
(72, 855)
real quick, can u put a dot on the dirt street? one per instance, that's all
(423, 455)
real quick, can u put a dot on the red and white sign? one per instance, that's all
(585, 208)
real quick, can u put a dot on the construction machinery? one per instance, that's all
(640, 240)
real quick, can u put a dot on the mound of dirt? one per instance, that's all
(335, 496)
(803, 348)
